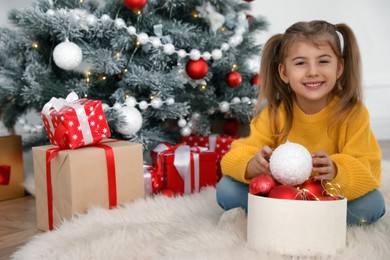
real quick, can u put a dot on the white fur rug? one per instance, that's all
(191, 227)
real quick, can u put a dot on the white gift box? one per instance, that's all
(296, 227)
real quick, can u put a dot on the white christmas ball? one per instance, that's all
(132, 121)
(206, 55)
(156, 42)
(182, 53)
(131, 30)
(169, 48)
(182, 122)
(224, 106)
(143, 105)
(120, 23)
(156, 103)
(291, 164)
(195, 54)
(186, 131)
(143, 38)
(216, 54)
(67, 55)
(225, 46)
(170, 101)
(131, 101)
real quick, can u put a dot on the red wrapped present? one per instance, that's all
(187, 169)
(5, 172)
(220, 144)
(152, 181)
(157, 150)
(71, 123)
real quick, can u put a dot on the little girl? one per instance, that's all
(311, 94)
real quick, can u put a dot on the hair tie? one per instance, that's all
(341, 39)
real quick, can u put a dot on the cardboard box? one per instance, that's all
(79, 179)
(11, 167)
(296, 227)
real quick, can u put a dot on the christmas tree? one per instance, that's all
(162, 68)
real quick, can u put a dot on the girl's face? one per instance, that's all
(312, 72)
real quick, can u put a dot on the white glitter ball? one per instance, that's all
(291, 164)
(67, 55)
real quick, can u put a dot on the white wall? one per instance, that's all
(368, 18)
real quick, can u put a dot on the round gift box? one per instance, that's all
(296, 227)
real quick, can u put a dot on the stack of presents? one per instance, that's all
(83, 167)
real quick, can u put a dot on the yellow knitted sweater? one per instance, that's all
(353, 148)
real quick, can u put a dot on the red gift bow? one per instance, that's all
(5, 172)
(52, 152)
(186, 160)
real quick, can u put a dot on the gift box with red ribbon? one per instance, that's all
(72, 181)
(186, 169)
(153, 182)
(220, 144)
(11, 167)
(72, 122)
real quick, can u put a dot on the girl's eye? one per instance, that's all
(324, 61)
(300, 63)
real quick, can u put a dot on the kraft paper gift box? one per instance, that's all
(83, 178)
(296, 227)
(186, 169)
(73, 122)
(11, 167)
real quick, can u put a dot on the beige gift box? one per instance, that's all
(79, 179)
(296, 227)
(11, 167)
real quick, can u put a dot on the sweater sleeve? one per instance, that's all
(234, 163)
(359, 159)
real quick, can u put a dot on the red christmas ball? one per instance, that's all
(262, 185)
(285, 192)
(231, 127)
(167, 193)
(312, 188)
(255, 80)
(234, 79)
(197, 69)
(134, 5)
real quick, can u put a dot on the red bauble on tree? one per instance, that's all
(234, 79)
(255, 80)
(231, 127)
(262, 185)
(197, 69)
(285, 192)
(134, 5)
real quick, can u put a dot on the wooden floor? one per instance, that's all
(18, 219)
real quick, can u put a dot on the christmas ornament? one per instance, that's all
(285, 192)
(313, 189)
(168, 193)
(132, 121)
(262, 185)
(197, 69)
(291, 164)
(134, 5)
(234, 79)
(231, 127)
(255, 80)
(67, 55)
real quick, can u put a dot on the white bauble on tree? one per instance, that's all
(132, 121)
(67, 55)
(291, 164)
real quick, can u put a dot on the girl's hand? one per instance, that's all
(259, 163)
(324, 166)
